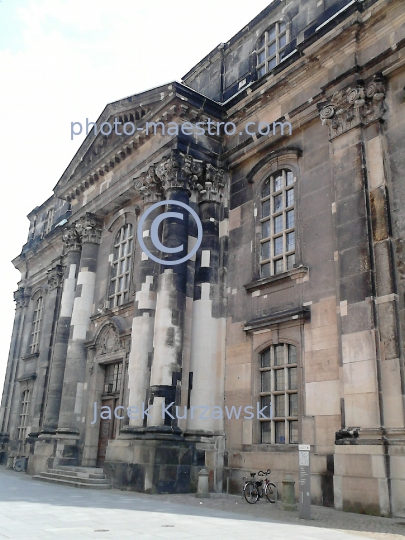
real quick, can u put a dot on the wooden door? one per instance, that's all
(107, 430)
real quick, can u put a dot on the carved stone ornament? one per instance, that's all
(22, 297)
(179, 172)
(150, 186)
(71, 240)
(109, 341)
(211, 187)
(89, 228)
(55, 277)
(353, 107)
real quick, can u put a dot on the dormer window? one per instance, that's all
(271, 47)
(49, 220)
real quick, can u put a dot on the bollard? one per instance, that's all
(202, 489)
(288, 496)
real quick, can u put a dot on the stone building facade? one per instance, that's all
(295, 296)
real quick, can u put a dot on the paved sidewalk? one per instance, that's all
(35, 510)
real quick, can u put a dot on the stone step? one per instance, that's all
(70, 477)
(73, 482)
(81, 474)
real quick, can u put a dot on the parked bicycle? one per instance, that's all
(253, 489)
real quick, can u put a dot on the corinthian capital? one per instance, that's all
(150, 186)
(179, 172)
(55, 277)
(211, 187)
(22, 297)
(358, 105)
(89, 228)
(71, 240)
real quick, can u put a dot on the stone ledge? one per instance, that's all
(294, 273)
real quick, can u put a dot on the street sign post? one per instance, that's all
(304, 472)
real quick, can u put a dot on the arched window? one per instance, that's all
(271, 47)
(36, 325)
(24, 405)
(279, 392)
(121, 266)
(278, 222)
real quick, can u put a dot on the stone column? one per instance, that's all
(21, 298)
(147, 273)
(208, 331)
(178, 174)
(51, 306)
(72, 247)
(70, 421)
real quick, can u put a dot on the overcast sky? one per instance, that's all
(63, 61)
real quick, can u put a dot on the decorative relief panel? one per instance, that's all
(352, 107)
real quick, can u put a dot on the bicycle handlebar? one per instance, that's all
(262, 473)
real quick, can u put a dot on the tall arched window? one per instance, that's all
(278, 222)
(271, 47)
(24, 405)
(279, 392)
(36, 325)
(121, 266)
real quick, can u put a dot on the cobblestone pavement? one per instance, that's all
(40, 511)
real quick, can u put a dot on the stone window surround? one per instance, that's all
(23, 416)
(48, 221)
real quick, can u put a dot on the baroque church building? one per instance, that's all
(293, 302)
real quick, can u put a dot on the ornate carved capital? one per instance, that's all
(355, 106)
(89, 228)
(211, 188)
(71, 240)
(22, 297)
(179, 172)
(150, 186)
(55, 277)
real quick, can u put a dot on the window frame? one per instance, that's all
(275, 392)
(287, 256)
(113, 298)
(36, 325)
(23, 414)
(48, 221)
(282, 29)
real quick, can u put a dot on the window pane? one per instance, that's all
(260, 43)
(266, 250)
(278, 183)
(280, 406)
(279, 379)
(292, 354)
(266, 432)
(281, 27)
(271, 34)
(265, 401)
(279, 355)
(265, 358)
(266, 229)
(294, 432)
(290, 178)
(280, 432)
(290, 219)
(114, 271)
(293, 404)
(111, 290)
(290, 197)
(123, 266)
(272, 63)
(260, 57)
(290, 261)
(266, 270)
(278, 245)
(278, 266)
(290, 241)
(282, 41)
(266, 208)
(272, 49)
(278, 224)
(266, 189)
(266, 381)
(261, 71)
(278, 202)
(292, 378)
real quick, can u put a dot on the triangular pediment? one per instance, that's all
(102, 150)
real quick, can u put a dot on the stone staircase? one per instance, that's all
(79, 477)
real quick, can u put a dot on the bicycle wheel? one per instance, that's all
(271, 492)
(250, 492)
